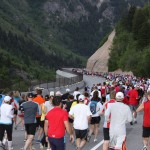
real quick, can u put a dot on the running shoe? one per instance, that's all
(3, 146)
(38, 141)
(131, 123)
(41, 146)
(135, 122)
(88, 138)
(95, 140)
(15, 127)
(144, 148)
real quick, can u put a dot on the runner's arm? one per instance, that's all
(46, 127)
(140, 108)
(69, 130)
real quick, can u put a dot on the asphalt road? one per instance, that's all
(134, 139)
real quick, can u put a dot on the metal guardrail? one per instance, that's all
(59, 82)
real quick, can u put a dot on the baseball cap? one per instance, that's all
(51, 93)
(30, 95)
(47, 96)
(119, 96)
(67, 90)
(7, 98)
(58, 93)
(81, 98)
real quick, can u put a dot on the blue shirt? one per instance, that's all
(1, 99)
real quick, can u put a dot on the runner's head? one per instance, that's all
(119, 96)
(57, 101)
(148, 95)
(81, 98)
(30, 96)
(7, 99)
(112, 94)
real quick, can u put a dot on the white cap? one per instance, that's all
(119, 96)
(81, 98)
(58, 93)
(51, 93)
(7, 98)
(67, 90)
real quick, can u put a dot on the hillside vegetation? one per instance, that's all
(131, 47)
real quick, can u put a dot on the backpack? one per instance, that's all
(93, 106)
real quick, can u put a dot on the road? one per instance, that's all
(134, 139)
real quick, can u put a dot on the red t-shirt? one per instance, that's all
(126, 100)
(146, 120)
(117, 89)
(133, 95)
(103, 90)
(56, 118)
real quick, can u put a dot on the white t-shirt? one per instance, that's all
(120, 115)
(75, 93)
(99, 108)
(6, 114)
(81, 112)
(99, 94)
(48, 106)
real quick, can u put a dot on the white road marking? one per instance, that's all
(98, 145)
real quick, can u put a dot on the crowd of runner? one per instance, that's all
(118, 99)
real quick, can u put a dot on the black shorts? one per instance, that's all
(146, 132)
(39, 123)
(81, 134)
(95, 120)
(106, 134)
(15, 112)
(70, 120)
(30, 128)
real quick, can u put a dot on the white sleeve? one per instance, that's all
(129, 115)
(100, 96)
(99, 107)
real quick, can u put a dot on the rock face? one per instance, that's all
(98, 61)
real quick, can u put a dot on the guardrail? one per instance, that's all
(59, 82)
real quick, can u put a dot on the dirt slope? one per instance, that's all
(98, 61)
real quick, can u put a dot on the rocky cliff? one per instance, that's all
(98, 62)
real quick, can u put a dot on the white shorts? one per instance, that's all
(116, 141)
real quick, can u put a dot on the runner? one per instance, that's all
(47, 107)
(39, 124)
(104, 92)
(133, 102)
(95, 89)
(55, 124)
(95, 108)
(107, 124)
(81, 115)
(76, 92)
(120, 115)
(146, 121)
(6, 116)
(21, 114)
(30, 110)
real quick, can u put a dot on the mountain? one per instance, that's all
(39, 36)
